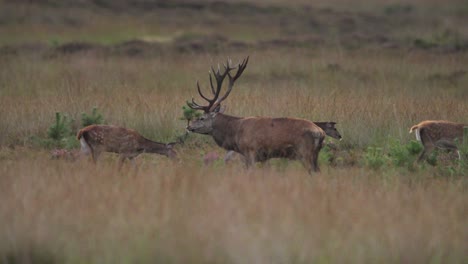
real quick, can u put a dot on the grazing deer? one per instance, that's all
(329, 129)
(438, 134)
(257, 139)
(128, 143)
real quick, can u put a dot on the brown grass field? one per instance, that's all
(375, 67)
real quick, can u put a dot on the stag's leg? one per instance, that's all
(310, 151)
(318, 143)
(249, 159)
(305, 155)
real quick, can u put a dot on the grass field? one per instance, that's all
(376, 68)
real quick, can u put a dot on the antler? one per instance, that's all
(215, 102)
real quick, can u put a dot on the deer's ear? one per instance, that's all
(219, 109)
(222, 109)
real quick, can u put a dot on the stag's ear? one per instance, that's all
(222, 109)
(331, 124)
(219, 109)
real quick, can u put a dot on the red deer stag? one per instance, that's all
(438, 134)
(255, 138)
(128, 143)
(327, 127)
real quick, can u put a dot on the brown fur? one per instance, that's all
(126, 142)
(327, 127)
(261, 138)
(437, 133)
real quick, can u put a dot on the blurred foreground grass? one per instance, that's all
(164, 212)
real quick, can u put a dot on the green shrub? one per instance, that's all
(92, 119)
(404, 155)
(189, 114)
(61, 128)
(326, 155)
(432, 158)
(59, 134)
(414, 147)
(374, 158)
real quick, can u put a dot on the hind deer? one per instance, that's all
(438, 134)
(257, 139)
(128, 143)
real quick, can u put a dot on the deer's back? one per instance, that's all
(441, 129)
(265, 131)
(111, 138)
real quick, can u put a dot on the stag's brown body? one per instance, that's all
(96, 139)
(327, 127)
(256, 138)
(437, 134)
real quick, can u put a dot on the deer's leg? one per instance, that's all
(449, 146)
(312, 163)
(121, 161)
(95, 153)
(318, 142)
(315, 166)
(249, 159)
(421, 156)
(305, 156)
(426, 150)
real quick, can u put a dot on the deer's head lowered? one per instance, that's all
(204, 123)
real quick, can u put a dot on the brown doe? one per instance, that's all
(96, 139)
(257, 139)
(438, 134)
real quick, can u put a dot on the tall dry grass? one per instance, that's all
(372, 96)
(179, 213)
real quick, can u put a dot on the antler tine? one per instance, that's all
(195, 106)
(211, 82)
(214, 103)
(240, 69)
(219, 83)
(200, 92)
(228, 67)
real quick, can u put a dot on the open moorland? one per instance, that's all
(374, 67)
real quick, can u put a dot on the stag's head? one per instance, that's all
(204, 123)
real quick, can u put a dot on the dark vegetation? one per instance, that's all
(258, 26)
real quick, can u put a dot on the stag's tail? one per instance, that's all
(417, 132)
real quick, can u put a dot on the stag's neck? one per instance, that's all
(225, 128)
(150, 146)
